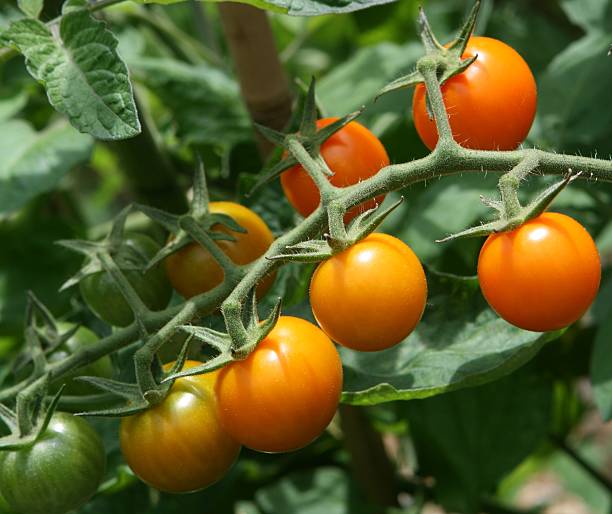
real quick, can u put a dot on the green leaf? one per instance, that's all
(468, 440)
(299, 7)
(589, 14)
(12, 104)
(31, 8)
(34, 162)
(601, 368)
(205, 102)
(323, 491)
(572, 110)
(460, 342)
(84, 76)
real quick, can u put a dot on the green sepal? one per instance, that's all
(15, 440)
(134, 400)
(307, 135)
(504, 224)
(314, 250)
(449, 58)
(368, 221)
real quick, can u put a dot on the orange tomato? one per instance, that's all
(193, 270)
(491, 105)
(541, 276)
(370, 296)
(284, 394)
(353, 154)
(178, 445)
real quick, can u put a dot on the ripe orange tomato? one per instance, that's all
(370, 296)
(353, 154)
(541, 276)
(178, 445)
(193, 270)
(491, 105)
(284, 394)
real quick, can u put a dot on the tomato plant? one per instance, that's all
(82, 338)
(57, 473)
(284, 394)
(491, 105)
(353, 154)
(179, 445)
(104, 297)
(381, 271)
(193, 270)
(550, 260)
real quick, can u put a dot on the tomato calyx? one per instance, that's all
(242, 338)
(339, 237)
(447, 60)
(510, 213)
(197, 225)
(308, 139)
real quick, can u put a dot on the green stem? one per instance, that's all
(428, 67)
(510, 182)
(581, 461)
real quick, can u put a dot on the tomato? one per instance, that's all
(103, 296)
(353, 154)
(193, 270)
(58, 473)
(82, 338)
(491, 105)
(178, 445)
(285, 393)
(541, 276)
(370, 296)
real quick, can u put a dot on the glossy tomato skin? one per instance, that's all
(370, 296)
(541, 276)
(353, 154)
(104, 298)
(178, 446)
(192, 270)
(82, 338)
(285, 393)
(491, 105)
(58, 473)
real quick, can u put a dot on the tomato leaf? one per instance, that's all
(301, 7)
(84, 76)
(34, 162)
(31, 8)
(460, 342)
(325, 490)
(468, 440)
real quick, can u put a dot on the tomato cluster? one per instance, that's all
(369, 297)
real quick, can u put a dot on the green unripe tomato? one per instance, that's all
(82, 338)
(56, 474)
(104, 298)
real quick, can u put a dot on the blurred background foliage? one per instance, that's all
(485, 448)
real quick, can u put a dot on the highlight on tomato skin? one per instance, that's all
(353, 154)
(541, 276)
(286, 392)
(370, 296)
(490, 106)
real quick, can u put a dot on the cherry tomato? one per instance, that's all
(491, 105)
(353, 154)
(193, 270)
(58, 473)
(82, 338)
(370, 296)
(285, 393)
(541, 276)
(178, 445)
(103, 296)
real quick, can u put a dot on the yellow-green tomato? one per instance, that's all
(179, 446)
